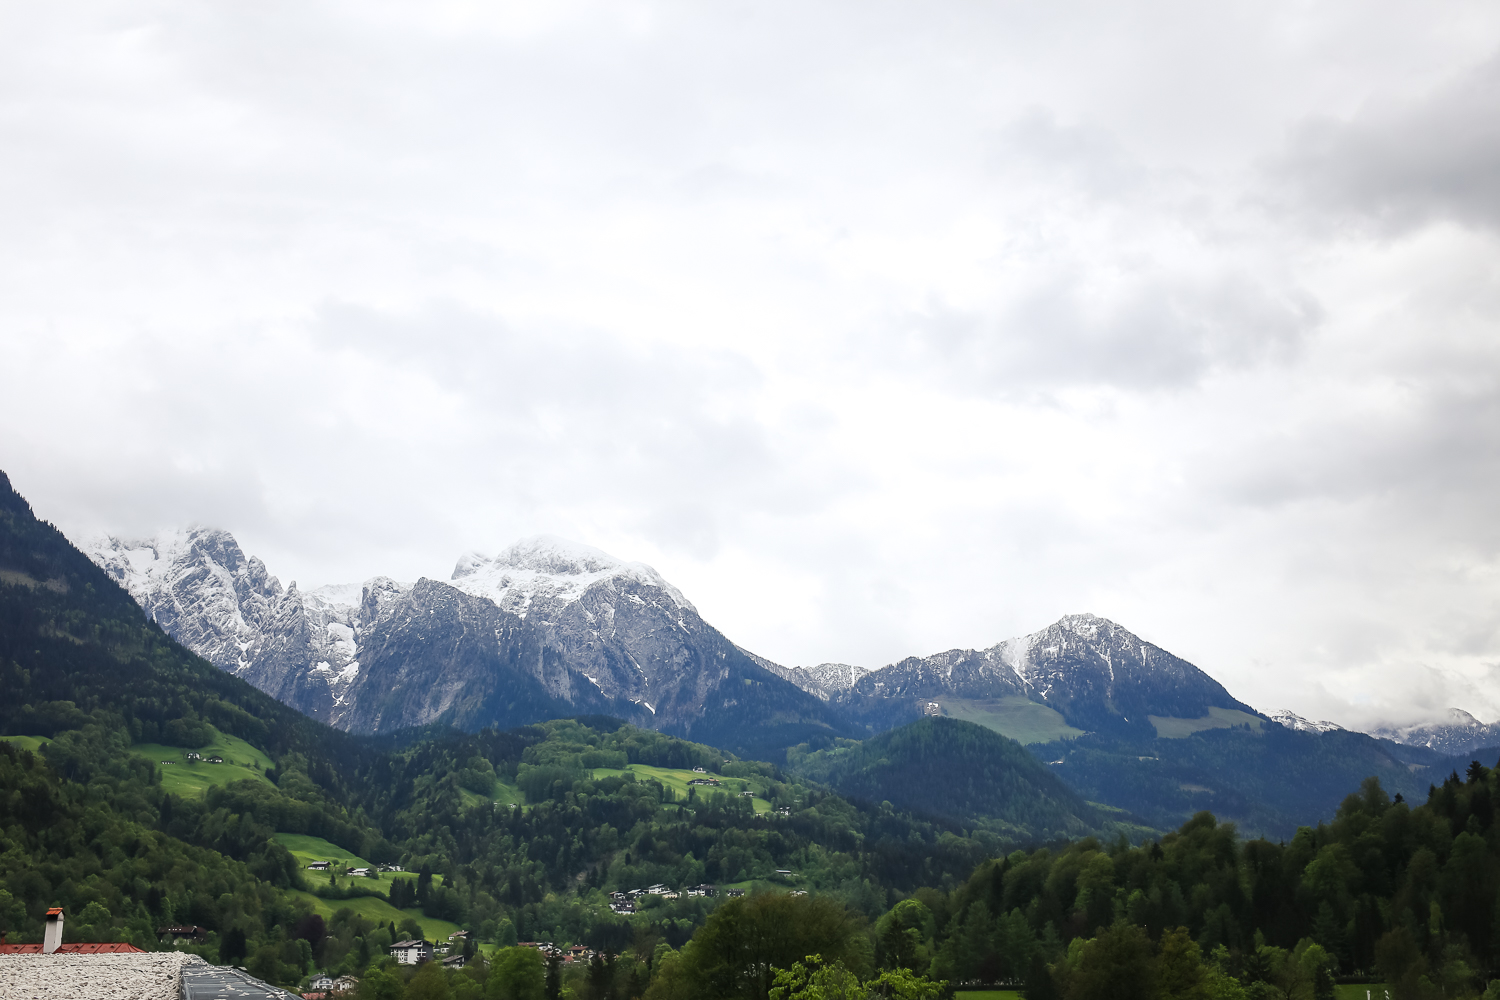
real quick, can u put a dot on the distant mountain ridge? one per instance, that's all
(544, 629)
(1094, 674)
(1458, 733)
(550, 627)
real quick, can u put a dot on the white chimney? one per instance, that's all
(52, 937)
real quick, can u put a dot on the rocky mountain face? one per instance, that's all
(1458, 733)
(1097, 675)
(544, 629)
(549, 628)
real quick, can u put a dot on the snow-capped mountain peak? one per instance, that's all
(1456, 732)
(1292, 720)
(545, 569)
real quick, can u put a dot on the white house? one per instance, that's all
(411, 952)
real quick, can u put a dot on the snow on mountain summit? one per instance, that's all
(552, 571)
(1292, 720)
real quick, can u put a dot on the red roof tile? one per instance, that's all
(81, 948)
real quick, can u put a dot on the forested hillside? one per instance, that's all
(955, 770)
(1268, 779)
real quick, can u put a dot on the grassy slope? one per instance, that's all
(504, 794)
(32, 743)
(677, 779)
(1217, 718)
(1021, 719)
(307, 849)
(378, 909)
(241, 762)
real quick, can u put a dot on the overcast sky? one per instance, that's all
(878, 328)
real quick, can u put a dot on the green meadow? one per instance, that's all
(373, 908)
(242, 762)
(307, 849)
(1168, 728)
(677, 778)
(32, 743)
(505, 795)
(1014, 716)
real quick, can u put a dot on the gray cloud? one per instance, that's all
(1404, 162)
(880, 329)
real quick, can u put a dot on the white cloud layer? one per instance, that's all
(878, 328)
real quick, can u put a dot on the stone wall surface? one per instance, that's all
(135, 976)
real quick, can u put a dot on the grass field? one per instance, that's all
(1217, 718)
(503, 794)
(998, 995)
(241, 761)
(379, 910)
(1357, 991)
(1022, 719)
(307, 849)
(32, 743)
(677, 779)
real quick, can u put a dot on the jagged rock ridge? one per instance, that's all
(546, 628)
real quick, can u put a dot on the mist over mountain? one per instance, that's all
(1457, 733)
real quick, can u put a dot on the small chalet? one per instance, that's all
(703, 890)
(193, 755)
(454, 961)
(319, 866)
(705, 781)
(321, 984)
(734, 892)
(345, 984)
(798, 892)
(784, 811)
(216, 760)
(699, 770)
(189, 931)
(392, 868)
(747, 795)
(659, 890)
(786, 873)
(459, 936)
(411, 952)
(361, 872)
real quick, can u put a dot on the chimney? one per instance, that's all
(52, 937)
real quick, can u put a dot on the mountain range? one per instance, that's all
(549, 628)
(544, 629)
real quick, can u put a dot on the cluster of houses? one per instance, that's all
(194, 755)
(321, 986)
(624, 902)
(323, 866)
(577, 954)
